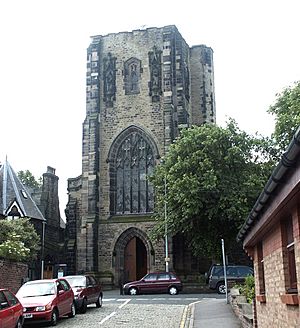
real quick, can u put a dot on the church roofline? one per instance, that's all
(98, 36)
(13, 189)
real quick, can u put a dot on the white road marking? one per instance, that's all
(108, 299)
(126, 302)
(107, 317)
(123, 299)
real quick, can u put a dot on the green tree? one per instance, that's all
(213, 177)
(18, 240)
(287, 115)
(28, 179)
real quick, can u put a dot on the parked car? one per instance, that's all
(46, 300)
(11, 310)
(234, 274)
(86, 291)
(155, 282)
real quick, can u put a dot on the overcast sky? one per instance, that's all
(43, 65)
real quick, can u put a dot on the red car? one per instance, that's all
(86, 291)
(11, 310)
(46, 300)
(156, 282)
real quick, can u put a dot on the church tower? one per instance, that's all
(142, 88)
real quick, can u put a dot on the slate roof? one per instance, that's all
(12, 191)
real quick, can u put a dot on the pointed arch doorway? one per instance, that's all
(135, 259)
(133, 255)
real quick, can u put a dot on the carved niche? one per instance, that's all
(109, 80)
(132, 76)
(155, 84)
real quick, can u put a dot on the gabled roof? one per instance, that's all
(14, 193)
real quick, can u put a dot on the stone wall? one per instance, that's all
(112, 256)
(12, 275)
(157, 107)
(243, 310)
(202, 85)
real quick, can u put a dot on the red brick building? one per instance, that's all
(271, 236)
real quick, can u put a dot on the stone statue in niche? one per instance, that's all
(155, 74)
(109, 80)
(132, 76)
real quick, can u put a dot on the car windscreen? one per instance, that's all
(37, 289)
(76, 281)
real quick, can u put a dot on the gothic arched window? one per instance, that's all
(131, 162)
(132, 69)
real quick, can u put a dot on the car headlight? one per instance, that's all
(40, 308)
(43, 308)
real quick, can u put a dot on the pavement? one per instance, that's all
(212, 313)
(206, 313)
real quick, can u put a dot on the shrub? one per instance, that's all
(247, 289)
(18, 240)
(14, 249)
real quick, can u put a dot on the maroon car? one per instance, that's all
(11, 310)
(86, 291)
(156, 282)
(46, 300)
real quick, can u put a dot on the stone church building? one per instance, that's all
(142, 88)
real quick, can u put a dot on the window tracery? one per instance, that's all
(131, 191)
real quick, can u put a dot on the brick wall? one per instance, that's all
(12, 275)
(272, 312)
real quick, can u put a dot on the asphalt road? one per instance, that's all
(140, 311)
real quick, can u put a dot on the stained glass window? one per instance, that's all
(131, 190)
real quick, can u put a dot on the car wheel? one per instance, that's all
(132, 291)
(73, 311)
(19, 324)
(83, 306)
(99, 302)
(173, 290)
(54, 318)
(221, 289)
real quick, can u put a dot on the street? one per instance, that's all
(155, 310)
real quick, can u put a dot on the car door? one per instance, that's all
(62, 298)
(148, 284)
(232, 275)
(163, 281)
(6, 313)
(15, 306)
(94, 290)
(90, 290)
(68, 296)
